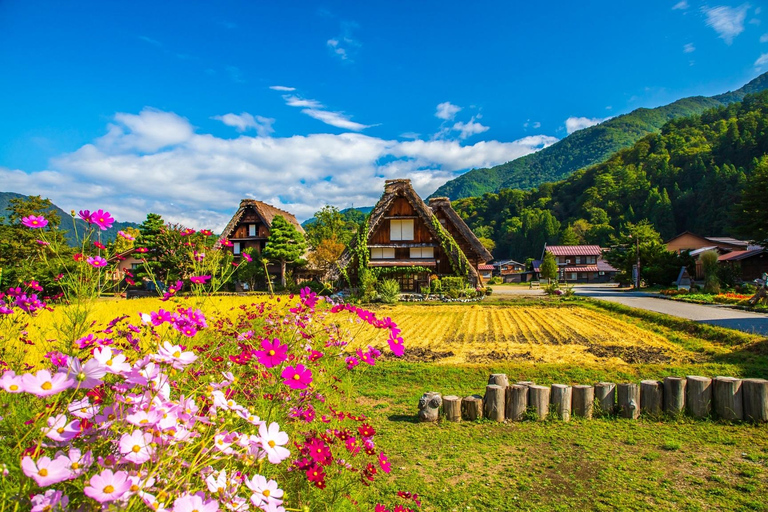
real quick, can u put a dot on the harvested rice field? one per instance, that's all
(451, 334)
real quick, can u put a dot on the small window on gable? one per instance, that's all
(401, 229)
(236, 247)
(382, 253)
(251, 229)
(422, 252)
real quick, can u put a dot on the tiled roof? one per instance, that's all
(574, 250)
(739, 255)
(727, 240)
(604, 266)
(536, 264)
(401, 263)
(580, 268)
(485, 267)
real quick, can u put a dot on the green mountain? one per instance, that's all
(354, 214)
(586, 147)
(66, 222)
(692, 176)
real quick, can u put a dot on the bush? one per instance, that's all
(488, 290)
(318, 287)
(435, 285)
(495, 280)
(389, 291)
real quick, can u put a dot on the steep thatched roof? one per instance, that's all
(443, 204)
(265, 211)
(392, 190)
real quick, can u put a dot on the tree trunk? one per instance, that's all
(538, 398)
(629, 400)
(517, 402)
(472, 407)
(605, 398)
(651, 397)
(500, 379)
(728, 399)
(755, 399)
(493, 403)
(452, 408)
(561, 396)
(282, 272)
(674, 395)
(583, 401)
(698, 396)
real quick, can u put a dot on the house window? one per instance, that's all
(382, 253)
(592, 259)
(401, 229)
(422, 252)
(573, 276)
(251, 229)
(236, 247)
(578, 260)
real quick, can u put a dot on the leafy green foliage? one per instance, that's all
(330, 224)
(753, 208)
(548, 267)
(389, 291)
(285, 245)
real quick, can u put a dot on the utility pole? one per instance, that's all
(637, 253)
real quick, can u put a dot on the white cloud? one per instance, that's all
(683, 4)
(447, 110)
(295, 101)
(689, 48)
(344, 46)
(536, 125)
(282, 88)
(764, 38)
(573, 124)
(155, 162)
(468, 129)
(336, 119)
(762, 60)
(246, 121)
(728, 22)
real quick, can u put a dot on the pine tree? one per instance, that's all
(285, 244)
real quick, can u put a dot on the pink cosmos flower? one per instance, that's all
(272, 441)
(396, 345)
(199, 279)
(174, 355)
(34, 221)
(298, 377)
(99, 245)
(136, 447)
(384, 463)
(85, 215)
(96, 261)
(45, 384)
(42, 242)
(77, 462)
(206, 232)
(264, 491)
(51, 501)
(11, 382)
(46, 471)
(102, 219)
(111, 361)
(247, 257)
(126, 236)
(108, 486)
(60, 430)
(273, 353)
(87, 375)
(195, 503)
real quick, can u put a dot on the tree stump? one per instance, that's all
(729, 404)
(629, 400)
(755, 399)
(651, 397)
(494, 402)
(674, 395)
(429, 406)
(500, 379)
(452, 408)
(538, 399)
(605, 398)
(472, 407)
(698, 396)
(517, 402)
(583, 401)
(561, 397)
(526, 383)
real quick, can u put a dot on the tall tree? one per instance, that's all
(285, 245)
(548, 267)
(753, 209)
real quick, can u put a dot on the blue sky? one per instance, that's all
(184, 108)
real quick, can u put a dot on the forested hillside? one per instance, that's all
(688, 177)
(586, 147)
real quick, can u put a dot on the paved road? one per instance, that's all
(715, 315)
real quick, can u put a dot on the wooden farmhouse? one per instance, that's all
(579, 263)
(413, 241)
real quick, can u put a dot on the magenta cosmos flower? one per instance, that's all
(273, 353)
(46, 471)
(298, 377)
(34, 221)
(199, 279)
(108, 486)
(96, 261)
(45, 384)
(102, 219)
(125, 235)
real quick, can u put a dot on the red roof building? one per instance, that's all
(580, 263)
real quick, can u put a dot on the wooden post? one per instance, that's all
(526, 383)
(539, 400)
(494, 402)
(605, 398)
(561, 397)
(429, 406)
(452, 408)
(674, 395)
(472, 407)
(583, 401)
(698, 396)
(517, 402)
(727, 396)
(755, 399)
(500, 379)
(651, 397)
(629, 400)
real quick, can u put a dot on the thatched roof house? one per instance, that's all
(250, 225)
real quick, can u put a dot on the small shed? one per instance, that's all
(684, 280)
